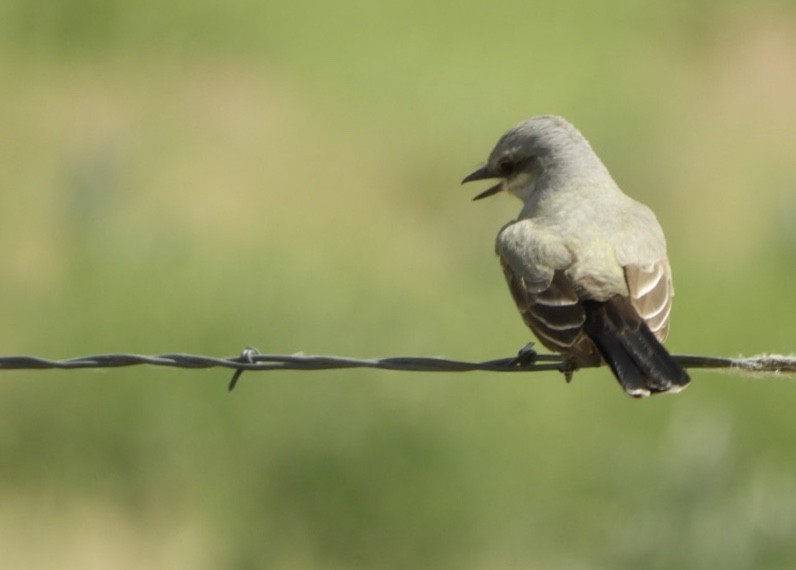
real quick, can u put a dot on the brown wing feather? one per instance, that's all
(554, 313)
(651, 294)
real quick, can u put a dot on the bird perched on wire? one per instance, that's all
(585, 264)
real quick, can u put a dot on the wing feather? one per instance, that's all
(651, 293)
(535, 261)
(554, 314)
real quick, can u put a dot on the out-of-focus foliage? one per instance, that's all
(199, 177)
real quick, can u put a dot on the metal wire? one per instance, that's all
(251, 359)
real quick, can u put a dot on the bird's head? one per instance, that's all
(526, 152)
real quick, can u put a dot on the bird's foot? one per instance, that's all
(568, 367)
(525, 357)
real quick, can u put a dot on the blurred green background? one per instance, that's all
(191, 176)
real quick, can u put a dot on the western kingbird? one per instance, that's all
(585, 264)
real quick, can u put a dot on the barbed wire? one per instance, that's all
(252, 360)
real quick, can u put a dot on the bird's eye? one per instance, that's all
(505, 167)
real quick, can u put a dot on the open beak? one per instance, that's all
(484, 174)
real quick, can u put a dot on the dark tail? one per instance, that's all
(637, 359)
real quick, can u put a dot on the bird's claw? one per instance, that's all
(568, 367)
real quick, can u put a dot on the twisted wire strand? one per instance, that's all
(251, 359)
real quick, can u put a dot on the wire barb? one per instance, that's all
(247, 355)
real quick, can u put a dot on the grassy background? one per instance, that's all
(182, 176)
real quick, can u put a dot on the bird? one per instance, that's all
(585, 264)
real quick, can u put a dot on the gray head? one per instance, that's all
(537, 147)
